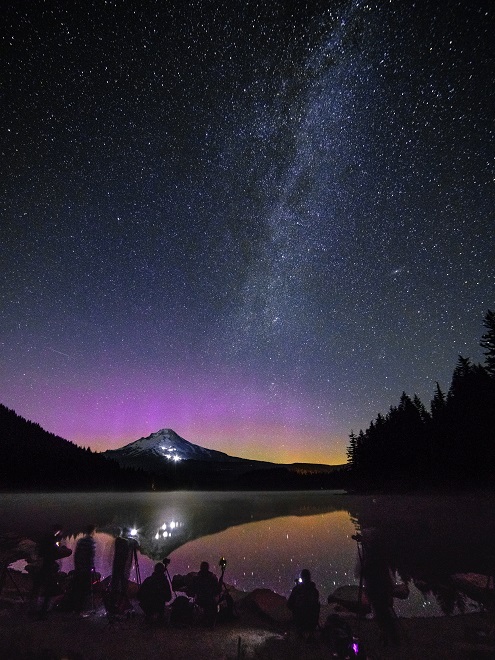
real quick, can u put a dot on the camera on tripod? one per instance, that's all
(166, 561)
(222, 563)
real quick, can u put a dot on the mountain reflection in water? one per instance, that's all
(268, 538)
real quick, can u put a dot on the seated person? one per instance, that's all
(154, 593)
(206, 590)
(304, 603)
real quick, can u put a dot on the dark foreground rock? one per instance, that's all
(262, 631)
(267, 605)
(72, 638)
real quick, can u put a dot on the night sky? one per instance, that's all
(255, 222)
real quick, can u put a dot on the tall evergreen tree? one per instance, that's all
(351, 450)
(459, 378)
(423, 413)
(438, 403)
(488, 342)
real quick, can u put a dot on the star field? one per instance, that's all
(256, 223)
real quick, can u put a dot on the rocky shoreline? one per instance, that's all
(262, 630)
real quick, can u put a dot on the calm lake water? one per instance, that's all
(267, 538)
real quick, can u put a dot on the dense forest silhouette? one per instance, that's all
(35, 460)
(451, 444)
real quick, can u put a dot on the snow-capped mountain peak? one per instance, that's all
(168, 446)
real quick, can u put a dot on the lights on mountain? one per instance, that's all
(170, 453)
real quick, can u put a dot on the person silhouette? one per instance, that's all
(84, 566)
(45, 578)
(304, 603)
(125, 548)
(154, 593)
(206, 589)
(379, 584)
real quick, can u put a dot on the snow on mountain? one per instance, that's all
(159, 449)
(168, 446)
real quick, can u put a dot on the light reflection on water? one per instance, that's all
(269, 554)
(267, 538)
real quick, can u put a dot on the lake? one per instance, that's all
(268, 537)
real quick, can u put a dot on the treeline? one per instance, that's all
(197, 477)
(203, 475)
(450, 444)
(32, 459)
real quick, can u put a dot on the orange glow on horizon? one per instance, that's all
(271, 443)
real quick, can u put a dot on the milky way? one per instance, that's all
(256, 223)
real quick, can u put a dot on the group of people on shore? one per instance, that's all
(45, 574)
(153, 593)
(207, 590)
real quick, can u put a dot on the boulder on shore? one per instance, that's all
(269, 604)
(476, 586)
(347, 596)
(14, 547)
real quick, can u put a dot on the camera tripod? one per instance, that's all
(225, 601)
(359, 543)
(135, 562)
(166, 562)
(4, 572)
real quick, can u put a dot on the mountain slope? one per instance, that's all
(167, 445)
(160, 450)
